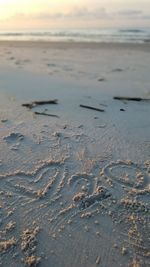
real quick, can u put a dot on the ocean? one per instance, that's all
(124, 35)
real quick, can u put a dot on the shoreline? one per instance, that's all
(74, 45)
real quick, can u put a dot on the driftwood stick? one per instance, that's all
(45, 114)
(129, 98)
(93, 108)
(39, 103)
(27, 105)
(43, 102)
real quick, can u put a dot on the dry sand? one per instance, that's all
(74, 189)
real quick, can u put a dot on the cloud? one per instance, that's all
(74, 13)
(83, 14)
(87, 13)
(130, 12)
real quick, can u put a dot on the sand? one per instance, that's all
(74, 186)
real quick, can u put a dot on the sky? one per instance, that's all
(46, 14)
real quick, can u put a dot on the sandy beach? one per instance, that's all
(74, 172)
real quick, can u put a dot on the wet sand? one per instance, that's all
(75, 186)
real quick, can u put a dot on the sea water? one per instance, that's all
(121, 35)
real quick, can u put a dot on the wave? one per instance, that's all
(132, 30)
(86, 35)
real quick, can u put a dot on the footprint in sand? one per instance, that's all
(117, 70)
(51, 65)
(14, 140)
(11, 58)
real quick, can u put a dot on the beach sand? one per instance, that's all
(74, 182)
